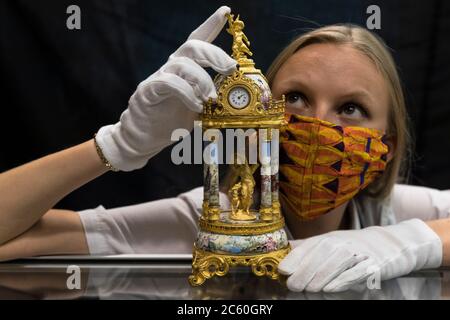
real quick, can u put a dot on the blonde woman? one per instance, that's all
(340, 75)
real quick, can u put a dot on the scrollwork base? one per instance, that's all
(206, 265)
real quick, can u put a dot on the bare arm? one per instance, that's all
(31, 190)
(442, 229)
(57, 232)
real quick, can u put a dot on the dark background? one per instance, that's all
(59, 86)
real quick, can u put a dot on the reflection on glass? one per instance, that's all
(168, 281)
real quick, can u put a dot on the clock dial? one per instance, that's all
(239, 97)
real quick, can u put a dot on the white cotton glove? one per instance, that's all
(337, 260)
(169, 99)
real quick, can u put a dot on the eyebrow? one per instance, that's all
(358, 93)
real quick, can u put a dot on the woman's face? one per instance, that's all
(336, 83)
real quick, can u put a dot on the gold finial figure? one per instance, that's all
(240, 40)
(241, 195)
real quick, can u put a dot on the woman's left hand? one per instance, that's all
(337, 260)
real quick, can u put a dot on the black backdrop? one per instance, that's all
(59, 86)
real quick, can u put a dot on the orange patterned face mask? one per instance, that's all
(323, 165)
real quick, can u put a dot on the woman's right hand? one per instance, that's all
(169, 99)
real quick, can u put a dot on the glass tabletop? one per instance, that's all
(140, 279)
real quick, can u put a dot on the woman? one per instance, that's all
(343, 75)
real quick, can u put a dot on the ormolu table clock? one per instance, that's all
(251, 231)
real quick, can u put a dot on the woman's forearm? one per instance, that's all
(442, 229)
(29, 191)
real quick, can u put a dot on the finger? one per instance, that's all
(335, 265)
(207, 55)
(289, 264)
(308, 266)
(195, 75)
(351, 277)
(170, 85)
(209, 29)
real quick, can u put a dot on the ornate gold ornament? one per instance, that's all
(207, 264)
(249, 233)
(240, 104)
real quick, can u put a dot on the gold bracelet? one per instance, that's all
(102, 156)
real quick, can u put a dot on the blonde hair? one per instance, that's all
(373, 47)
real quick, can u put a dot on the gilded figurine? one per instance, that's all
(241, 195)
(241, 43)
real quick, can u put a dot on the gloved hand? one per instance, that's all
(169, 99)
(337, 260)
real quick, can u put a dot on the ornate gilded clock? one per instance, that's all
(247, 230)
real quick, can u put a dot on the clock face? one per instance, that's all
(239, 97)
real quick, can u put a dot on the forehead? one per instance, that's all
(339, 68)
